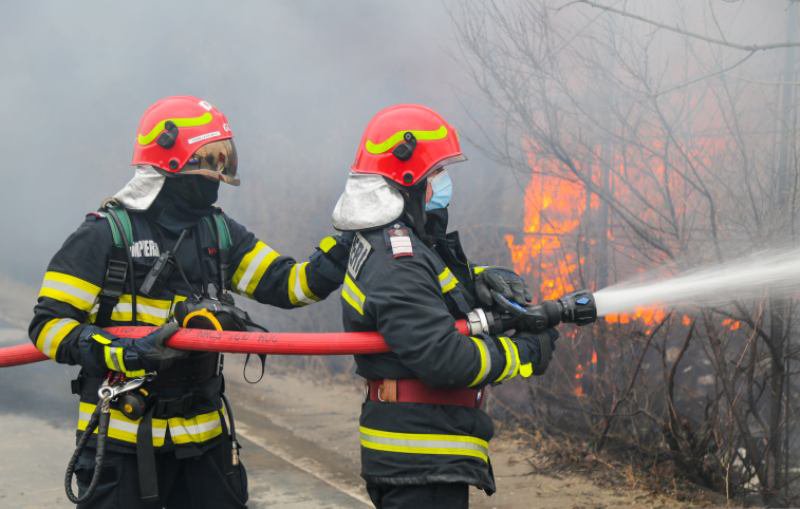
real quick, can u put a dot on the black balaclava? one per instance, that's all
(184, 201)
(436, 223)
(414, 207)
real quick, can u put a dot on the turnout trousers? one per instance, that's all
(422, 496)
(207, 481)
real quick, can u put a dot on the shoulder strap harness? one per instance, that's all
(216, 223)
(120, 263)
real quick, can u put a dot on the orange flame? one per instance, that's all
(553, 208)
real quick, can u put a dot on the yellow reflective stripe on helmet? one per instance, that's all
(252, 268)
(120, 427)
(512, 359)
(391, 141)
(424, 443)
(53, 333)
(353, 295)
(327, 244)
(447, 280)
(486, 362)
(70, 289)
(146, 139)
(299, 292)
(477, 270)
(197, 429)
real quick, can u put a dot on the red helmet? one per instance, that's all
(405, 142)
(174, 128)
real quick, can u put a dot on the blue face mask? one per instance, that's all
(442, 188)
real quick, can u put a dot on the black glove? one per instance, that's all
(535, 351)
(149, 352)
(504, 281)
(101, 352)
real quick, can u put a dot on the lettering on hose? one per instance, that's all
(145, 249)
(359, 253)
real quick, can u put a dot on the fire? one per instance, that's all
(552, 245)
(731, 324)
(647, 316)
(553, 210)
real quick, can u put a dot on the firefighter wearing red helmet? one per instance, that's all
(156, 250)
(424, 438)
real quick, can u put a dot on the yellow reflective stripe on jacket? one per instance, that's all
(478, 269)
(150, 311)
(70, 289)
(486, 362)
(198, 429)
(53, 333)
(327, 244)
(299, 292)
(252, 268)
(353, 295)
(447, 280)
(115, 361)
(120, 427)
(145, 139)
(512, 359)
(387, 144)
(424, 443)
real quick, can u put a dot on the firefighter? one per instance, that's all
(158, 244)
(424, 438)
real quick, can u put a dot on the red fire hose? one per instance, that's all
(276, 343)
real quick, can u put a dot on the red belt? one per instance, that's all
(410, 390)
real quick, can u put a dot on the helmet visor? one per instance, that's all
(216, 161)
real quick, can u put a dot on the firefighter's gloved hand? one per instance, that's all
(535, 351)
(150, 352)
(100, 352)
(336, 250)
(504, 281)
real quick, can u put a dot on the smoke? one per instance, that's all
(297, 80)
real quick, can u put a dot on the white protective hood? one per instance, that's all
(141, 190)
(368, 201)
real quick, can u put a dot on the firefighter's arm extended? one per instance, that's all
(66, 303)
(409, 312)
(258, 271)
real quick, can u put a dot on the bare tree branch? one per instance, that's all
(713, 40)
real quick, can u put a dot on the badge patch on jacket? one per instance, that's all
(400, 241)
(145, 249)
(359, 252)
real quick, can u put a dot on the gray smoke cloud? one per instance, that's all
(297, 80)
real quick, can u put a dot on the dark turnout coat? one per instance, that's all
(412, 293)
(68, 303)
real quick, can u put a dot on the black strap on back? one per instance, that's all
(119, 268)
(219, 227)
(146, 458)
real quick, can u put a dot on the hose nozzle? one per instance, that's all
(578, 308)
